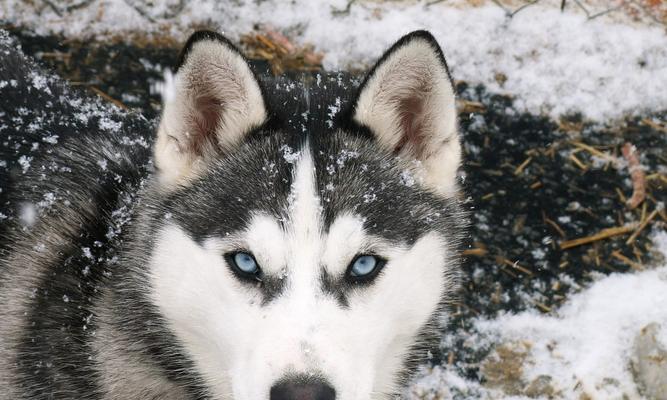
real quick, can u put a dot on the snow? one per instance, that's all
(25, 161)
(591, 334)
(28, 214)
(333, 110)
(166, 88)
(585, 347)
(552, 62)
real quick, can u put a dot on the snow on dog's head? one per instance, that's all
(308, 260)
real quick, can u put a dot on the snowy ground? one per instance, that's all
(551, 63)
(585, 349)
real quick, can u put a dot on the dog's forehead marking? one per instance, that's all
(304, 228)
(304, 203)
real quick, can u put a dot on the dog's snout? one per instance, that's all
(302, 389)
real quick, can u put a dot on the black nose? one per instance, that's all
(302, 389)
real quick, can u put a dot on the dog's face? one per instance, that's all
(314, 265)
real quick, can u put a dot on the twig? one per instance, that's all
(108, 98)
(603, 234)
(170, 13)
(475, 252)
(578, 162)
(81, 4)
(553, 224)
(467, 106)
(523, 165)
(654, 125)
(621, 196)
(545, 308)
(141, 11)
(499, 4)
(338, 13)
(523, 6)
(516, 266)
(509, 13)
(601, 13)
(657, 176)
(619, 256)
(430, 3)
(592, 150)
(641, 227)
(53, 7)
(510, 273)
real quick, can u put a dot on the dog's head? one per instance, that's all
(303, 250)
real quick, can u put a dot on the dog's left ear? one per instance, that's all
(407, 102)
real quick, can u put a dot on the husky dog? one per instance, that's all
(276, 240)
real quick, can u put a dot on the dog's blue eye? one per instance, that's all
(365, 267)
(246, 263)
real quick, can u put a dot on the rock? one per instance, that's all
(503, 368)
(540, 387)
(649, 363)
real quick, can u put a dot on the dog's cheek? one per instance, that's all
(404, 300)
(202, 304)
(411, 286)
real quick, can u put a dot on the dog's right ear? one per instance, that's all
(215, 100)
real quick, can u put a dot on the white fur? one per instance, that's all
(211, 69)
(242, 347)
(414, 71)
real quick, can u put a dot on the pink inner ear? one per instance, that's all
(411, 119)
(204, 121)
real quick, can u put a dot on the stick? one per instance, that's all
(641, 227)
(108, 98)
(516, 266)
(476, 252)
(654, 125)
(545, 308)
(578, 162)
(554, 225)
(621, 196)
(617, 254)
(591, 150)
(523, 165)
(603, 234)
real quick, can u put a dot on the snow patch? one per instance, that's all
(551, 61)
(585, 347)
